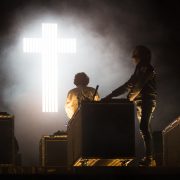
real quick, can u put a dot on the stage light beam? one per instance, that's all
(49, 46)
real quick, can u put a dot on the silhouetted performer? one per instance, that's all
(141, 88)
(81, 92)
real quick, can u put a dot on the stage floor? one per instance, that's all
(90, 171)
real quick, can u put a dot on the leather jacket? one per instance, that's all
(141, 85)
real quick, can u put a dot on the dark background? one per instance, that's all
(155, 24)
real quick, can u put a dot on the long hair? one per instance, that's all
(143, 53)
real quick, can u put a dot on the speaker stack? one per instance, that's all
(6, 139)
(171, 144)
(53, 151)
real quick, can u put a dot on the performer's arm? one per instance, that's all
(122, 89)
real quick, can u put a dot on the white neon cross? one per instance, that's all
(49, 46)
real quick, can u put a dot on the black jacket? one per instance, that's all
(141, 85)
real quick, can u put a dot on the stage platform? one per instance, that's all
(100, 171)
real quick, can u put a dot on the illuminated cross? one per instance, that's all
(49, 46)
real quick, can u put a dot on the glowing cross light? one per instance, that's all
(49, 46)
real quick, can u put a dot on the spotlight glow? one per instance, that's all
(49, 46)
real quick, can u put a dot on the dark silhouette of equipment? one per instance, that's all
(102, 131)
(7, 155)
(9, 148)
(53, 150)
(171, 144)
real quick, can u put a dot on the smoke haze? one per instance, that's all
(106, 32)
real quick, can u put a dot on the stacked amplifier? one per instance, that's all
(7, 156)
(102, 131)
(53, 151)
(171, 144)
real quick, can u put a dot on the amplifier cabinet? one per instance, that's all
(171, 144)
(53, 151)
(6, 138)
(102, 131)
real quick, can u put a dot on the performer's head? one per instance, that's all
(81, 79)
(141, 54)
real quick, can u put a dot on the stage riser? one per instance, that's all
(102, 131)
